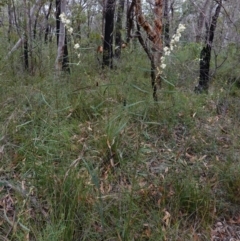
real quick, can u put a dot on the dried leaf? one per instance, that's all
(146, 230)
(195, 237)
(108, 144)
(166, 218)
(112, 162)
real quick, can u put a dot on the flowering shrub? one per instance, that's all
(67, 24)
(167, 50)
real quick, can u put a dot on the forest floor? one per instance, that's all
(93, 157)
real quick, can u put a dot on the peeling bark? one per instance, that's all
(151, 58)
(155, 36)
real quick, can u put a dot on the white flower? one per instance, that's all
(167, 53)
(172, 42)
(67, 21)
(179, 31)
(78, 55)
(163, 66)
(181, 27)
(76, 46)
(176, 39)
(70, 30)
(62, 15)
(159, 71)
(63, 18)
(165, 49)
(178, 35)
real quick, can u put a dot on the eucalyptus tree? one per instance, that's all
(27, 35)
(10, 18)
(205, 55)
(47, 25)
(62, 61)
(118, 38)
(154, 34)
(166, 23)
(108, 34)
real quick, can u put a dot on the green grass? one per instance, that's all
(90, 156)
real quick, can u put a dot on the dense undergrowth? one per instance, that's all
(90, 155)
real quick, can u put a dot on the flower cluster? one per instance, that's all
(67, 24)
(176, 37)
(173, 43)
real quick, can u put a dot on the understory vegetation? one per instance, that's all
(90, 156)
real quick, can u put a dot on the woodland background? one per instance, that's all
(108, 132)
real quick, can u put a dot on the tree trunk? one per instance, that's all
(35, 26)
(30, 40)
(58, 20)
(16, 21)
(65, 63)
(154, 35)
(25, 54)
(10, 20)
(130, 22)
(201, 21)
(118, 39)
(47, 28)
(26, 35)
(35, 20)
(166, 25)
(103, 16)
(151, 58)
(61, 62)
(205, 55)
(88, 21)
(108, 34)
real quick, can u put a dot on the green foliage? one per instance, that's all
(103, 160)
(229, 175)
(192, 198)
